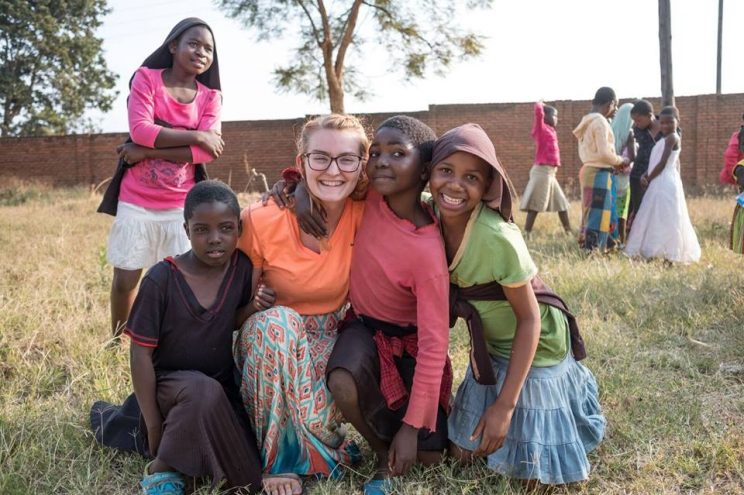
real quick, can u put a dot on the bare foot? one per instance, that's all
(282, 484)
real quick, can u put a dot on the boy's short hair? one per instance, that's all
(420, 134)
(642, 107)
(209, 191)
(549, 110)
(604, 95)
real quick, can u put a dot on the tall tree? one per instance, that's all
(51, 66)
(665, 52)
(421, 37)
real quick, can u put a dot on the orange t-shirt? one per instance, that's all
(310, 283)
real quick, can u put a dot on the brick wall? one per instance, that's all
(268, 145)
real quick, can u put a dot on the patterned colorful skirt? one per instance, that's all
(621, 183)
(282, 357)
(596, 207)
(737, 230)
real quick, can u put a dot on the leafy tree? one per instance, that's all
(51, 66)
(421, 37)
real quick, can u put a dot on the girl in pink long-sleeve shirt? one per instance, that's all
(543, 193)
(389, 372)
(174, 123)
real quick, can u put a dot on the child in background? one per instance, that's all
(733, 173)
(646, 131)
(174, 123)
(732, 156)
(597, 153)
(543, 193)
(625, 146)
(737, 223)
(662, 227)
(181, 327)
(526, 404)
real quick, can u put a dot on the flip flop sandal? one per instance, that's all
(163, 483)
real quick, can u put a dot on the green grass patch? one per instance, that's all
(665, 343)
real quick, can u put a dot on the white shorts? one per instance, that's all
(140, 237)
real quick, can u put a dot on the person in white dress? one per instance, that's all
(662, 227)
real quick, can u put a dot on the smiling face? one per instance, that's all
(667, 123)
(458, 184)
(193, 52)
(332, 185)
(213, 230)
(394, 163)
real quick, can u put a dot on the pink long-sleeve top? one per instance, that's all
(731, 157)
(546, 139)
(161, 184)
(399, 275)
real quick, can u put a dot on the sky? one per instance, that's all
(534, 49)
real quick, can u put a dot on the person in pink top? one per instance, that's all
(174, 123)
(734, 154)
(543, 193)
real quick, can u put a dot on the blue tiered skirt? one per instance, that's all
(557, 421)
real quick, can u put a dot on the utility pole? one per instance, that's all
(720, 46)
(665, 52)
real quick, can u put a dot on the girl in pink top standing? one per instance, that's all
(174, 123)
(543, 193)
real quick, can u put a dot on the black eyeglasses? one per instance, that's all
(320, 161)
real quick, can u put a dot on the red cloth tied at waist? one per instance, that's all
(391, 384)
(393, 341)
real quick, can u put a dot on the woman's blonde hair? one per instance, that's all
(338, 122)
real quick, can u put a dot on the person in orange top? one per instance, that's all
(282, 351)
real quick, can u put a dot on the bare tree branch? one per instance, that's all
(316, 33)
(394, 20)
(347, 37)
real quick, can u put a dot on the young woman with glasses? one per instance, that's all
(282, 351)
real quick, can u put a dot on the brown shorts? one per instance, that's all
(356, 352)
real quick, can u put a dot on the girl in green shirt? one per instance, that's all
(540, 414)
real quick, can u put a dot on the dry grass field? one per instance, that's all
(666, 344)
